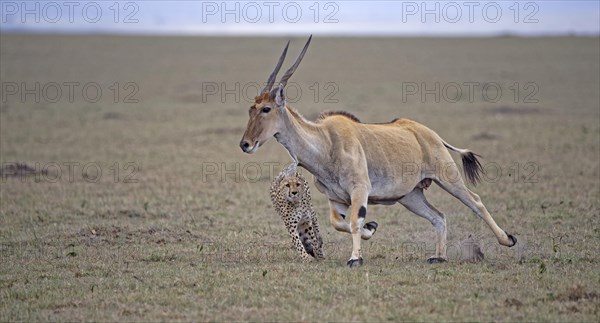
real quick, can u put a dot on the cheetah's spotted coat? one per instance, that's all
(291, 199)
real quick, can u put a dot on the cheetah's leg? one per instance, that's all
(317, 241)
(305, 237)
(308, 231)
(293, 232)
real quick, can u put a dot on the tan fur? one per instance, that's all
(264, 97)
(357, 164)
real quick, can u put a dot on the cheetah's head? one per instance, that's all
(291, 189)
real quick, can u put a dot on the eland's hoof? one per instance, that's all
(436, 260)
(371, 226)
(369, 230)
(513, 239)
(355, 262)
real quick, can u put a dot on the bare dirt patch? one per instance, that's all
(510, 110)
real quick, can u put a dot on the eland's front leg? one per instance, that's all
(337, 218)
(358, 213)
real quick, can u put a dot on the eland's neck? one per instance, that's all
(303, 141)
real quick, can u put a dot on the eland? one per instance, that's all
(356, 164)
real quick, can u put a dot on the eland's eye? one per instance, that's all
(266, 109)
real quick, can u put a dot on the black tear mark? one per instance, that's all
(362, 212)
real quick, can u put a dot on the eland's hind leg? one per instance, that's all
(457, 188)
(416, 202)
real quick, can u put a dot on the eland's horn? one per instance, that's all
(292, 69)
(273, 75)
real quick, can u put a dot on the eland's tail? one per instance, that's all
(471, 165)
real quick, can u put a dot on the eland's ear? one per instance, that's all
(279, 96)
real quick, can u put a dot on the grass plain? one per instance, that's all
(178, 225)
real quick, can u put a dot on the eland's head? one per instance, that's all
(268, 108)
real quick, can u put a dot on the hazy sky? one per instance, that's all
(304, 17)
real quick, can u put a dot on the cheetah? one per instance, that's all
(291, 199)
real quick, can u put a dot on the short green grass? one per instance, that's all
(193, 236)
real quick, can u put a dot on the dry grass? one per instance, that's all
(181, 244)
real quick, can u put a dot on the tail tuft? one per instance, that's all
(471, 167)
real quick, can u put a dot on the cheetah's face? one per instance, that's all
(291, 188)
